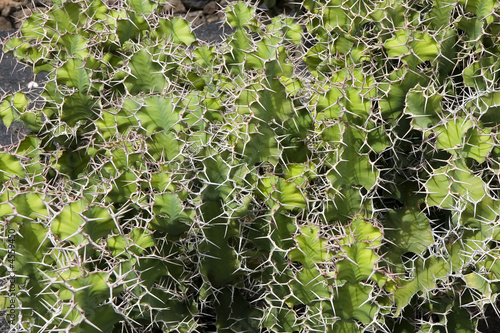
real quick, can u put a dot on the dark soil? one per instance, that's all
(13, 77)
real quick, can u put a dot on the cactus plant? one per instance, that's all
(256, 184)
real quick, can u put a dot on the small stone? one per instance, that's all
(196, 17)
(211, 8)
(175, 6)
(7, 5)
(212, 18)
(20, 15)
(5, 24)
(195, 4)
(32, 85)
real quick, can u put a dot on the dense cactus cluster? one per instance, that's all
(256, 185)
